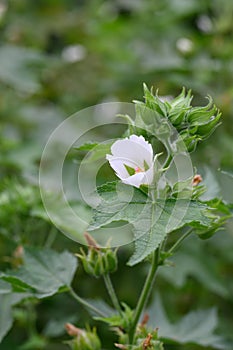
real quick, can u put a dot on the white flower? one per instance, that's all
(132, 160)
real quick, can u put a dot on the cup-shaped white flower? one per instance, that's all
(132, 161)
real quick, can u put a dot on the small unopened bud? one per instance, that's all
(120, 346)
(83, 340)
(72, 330)
(90, 241)
(196, 180)
(98, 261)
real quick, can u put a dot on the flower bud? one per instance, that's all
(98, 261)
(83, 340)
(196, 180)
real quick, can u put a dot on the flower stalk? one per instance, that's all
(144, 294)
(112, 293)
(85, 303)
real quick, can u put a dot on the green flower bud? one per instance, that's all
(111, 260)
(193, 123)
(98, 261)
(83, 340)
(205, 119)
(207, 129)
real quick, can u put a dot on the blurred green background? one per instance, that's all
(60, 56)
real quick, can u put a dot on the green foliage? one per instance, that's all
(98, 261)
(122, 321)
(193, 123)
(95, 150)
(86, 340)
(197, 327)
(152, 220)
(8, 300)
(191, 260)
(44, 272)
(117, 45)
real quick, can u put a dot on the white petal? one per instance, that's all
(134, 180)
(117, 165)
(135, 150)
(141, 141)
(148, 176)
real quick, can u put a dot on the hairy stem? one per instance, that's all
(86, 303)
(144, 294)
(112, 293)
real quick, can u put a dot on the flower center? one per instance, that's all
(133, 171)
(138, 170)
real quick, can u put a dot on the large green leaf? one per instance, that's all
(197, 327)
(44, 273)
(151, 220)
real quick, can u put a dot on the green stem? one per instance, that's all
(51, 238)
(144, 294)
(112, 293)
(168, 161)
(86, 304)
(180, 240)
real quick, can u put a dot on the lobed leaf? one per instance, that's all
(151, 220)
(44, 273)
(197, 327)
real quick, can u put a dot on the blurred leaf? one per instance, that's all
(191, 260)
(197, 327)
(95, 150)
(5, 287)
(6, 317)
(56, 327)
(45, 272)
(72, 218)
(17, 68)
(100, 305)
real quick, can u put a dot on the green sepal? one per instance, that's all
(85, 340)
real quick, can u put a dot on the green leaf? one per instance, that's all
(100, 305)
(55, 326)
(6, 317)
(191, 260)
(151, 221)
(63, 217)
(197, 327)
(45, 272)
(123, 321)
(5, 287)
(95, 151)
(86, 147)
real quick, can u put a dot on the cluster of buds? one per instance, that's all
(98, 261)
(193, 123)
(82, 339)
(145, 339)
